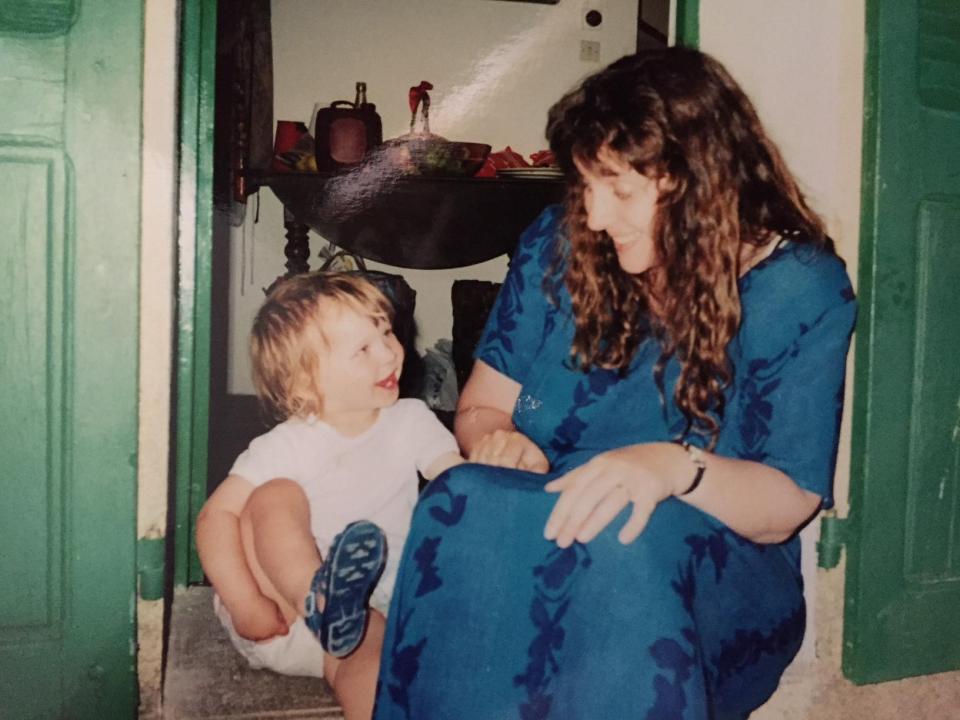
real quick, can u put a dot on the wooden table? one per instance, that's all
(407, 221)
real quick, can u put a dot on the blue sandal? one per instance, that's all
(345, 581)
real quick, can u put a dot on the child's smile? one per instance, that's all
(390, 382)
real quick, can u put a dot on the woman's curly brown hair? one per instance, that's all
(678, 116)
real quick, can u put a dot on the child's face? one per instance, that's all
(360, 370)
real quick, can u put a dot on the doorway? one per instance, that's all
(240, 245)
(208, 400)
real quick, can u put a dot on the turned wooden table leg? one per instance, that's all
(297, 248)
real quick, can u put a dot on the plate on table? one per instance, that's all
(532, 173)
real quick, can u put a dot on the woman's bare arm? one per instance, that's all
(755, 500)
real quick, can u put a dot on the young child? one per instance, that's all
(295, 539)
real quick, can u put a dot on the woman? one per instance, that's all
(654, 409)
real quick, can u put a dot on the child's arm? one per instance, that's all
(433, 446)
(219, 544)
(444, 462)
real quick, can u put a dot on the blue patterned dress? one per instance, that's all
(490, 621)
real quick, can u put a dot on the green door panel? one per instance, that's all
(69, 234)
(33, 75)
(32, 183)
(40, 17)
(931, 553)
(902, 612)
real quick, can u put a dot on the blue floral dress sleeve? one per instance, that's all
(798, 315)
(522, 316)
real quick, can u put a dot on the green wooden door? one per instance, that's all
(903, 573)
(70, 89)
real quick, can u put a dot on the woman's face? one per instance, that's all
(622, 203)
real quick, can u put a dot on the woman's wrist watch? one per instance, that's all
(699, 462)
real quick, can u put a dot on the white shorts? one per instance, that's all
(380, 599)
(296, 653)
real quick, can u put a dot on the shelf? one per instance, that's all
(415, 222)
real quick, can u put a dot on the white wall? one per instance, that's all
(802, 65)
(156, 318)
(496, 68)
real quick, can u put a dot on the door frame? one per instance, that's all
(686, 26)
(198, 45)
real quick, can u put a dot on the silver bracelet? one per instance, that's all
(696, 457)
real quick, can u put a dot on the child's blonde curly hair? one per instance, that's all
(287, 340)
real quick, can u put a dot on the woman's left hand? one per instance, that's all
(594, 494)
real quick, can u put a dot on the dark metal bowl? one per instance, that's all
(434, 155)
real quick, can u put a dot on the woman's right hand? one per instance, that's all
(510, 449)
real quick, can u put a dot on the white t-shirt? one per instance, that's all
(372, 476)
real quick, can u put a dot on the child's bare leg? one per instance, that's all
(354, 678)
(280, 548)
(283, 556)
